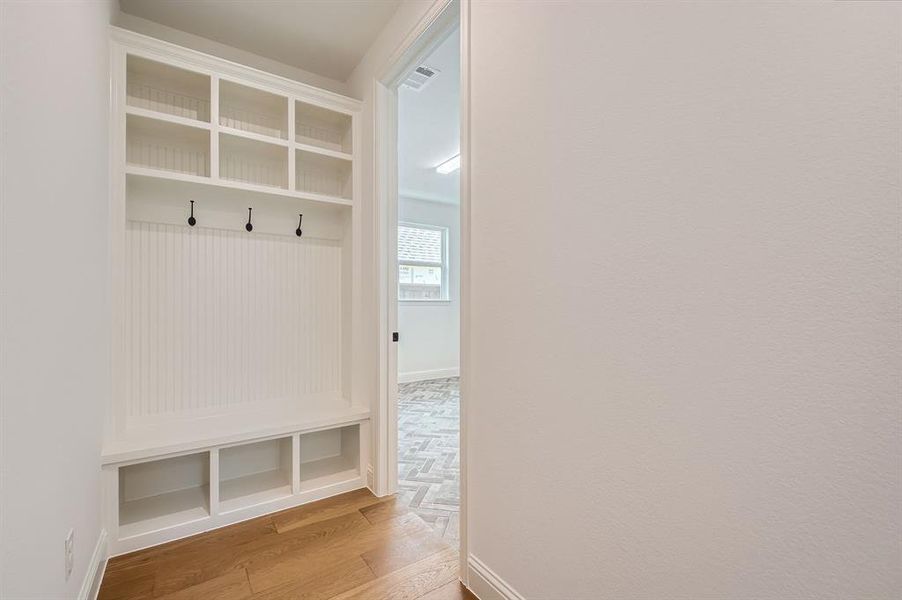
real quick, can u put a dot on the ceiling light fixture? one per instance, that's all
(449, 166)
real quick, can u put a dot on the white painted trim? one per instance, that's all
(464, 355)
(90, 585)
(187, 58)
(487, 585)
(412, 376)
(385, 169)
(370, 478)
(124, 455)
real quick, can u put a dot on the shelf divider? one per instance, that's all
(161, 116)
(296, 463)
(214, 127)
(291, 145)
(238, 185)
(214, 477)
(257, 137)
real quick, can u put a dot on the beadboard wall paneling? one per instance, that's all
(217, 318)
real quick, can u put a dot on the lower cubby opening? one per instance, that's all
(164, 493)
(329, 456)
(254, 473)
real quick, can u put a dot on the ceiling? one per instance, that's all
(429, 129)
(326, 37)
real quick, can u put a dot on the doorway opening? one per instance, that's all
(444, 25)
(427, 252)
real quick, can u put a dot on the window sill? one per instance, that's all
(422, 302)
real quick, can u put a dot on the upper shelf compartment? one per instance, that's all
(252, 161)
(253, 111)
(322, 128)
(164, 146)
(166, 89)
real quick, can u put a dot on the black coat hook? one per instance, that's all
(298, 231)
(249, 227)
(191, 220)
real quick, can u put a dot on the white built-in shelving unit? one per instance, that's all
(232, 348)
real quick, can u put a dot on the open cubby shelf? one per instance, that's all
(253, 110)
(173, 144)
(164, 493)
(233, 376)
(162, 88)
(329, 457)
(325, 175)
(252, 161)
(323, 128)
(178, 492)
(166, 146)
(254, 473)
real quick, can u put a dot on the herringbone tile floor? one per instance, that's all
(428, 452)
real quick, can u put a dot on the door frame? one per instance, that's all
(439, 21)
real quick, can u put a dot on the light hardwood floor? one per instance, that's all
(353, 546)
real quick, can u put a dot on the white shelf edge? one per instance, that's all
(134, 531)
(257, 137)
(124, 455)
(238, 498)
(253, 187)
(323, 151)
(323, 481)
(165, 117)
(161, 174)
(323, 198)
(237, 185)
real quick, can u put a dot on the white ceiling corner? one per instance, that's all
(325, 37)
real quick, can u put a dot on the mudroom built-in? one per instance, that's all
(233, 294)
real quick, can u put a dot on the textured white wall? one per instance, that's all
(686, 276)
(55, 289)
(430, 332)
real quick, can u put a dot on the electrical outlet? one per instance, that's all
(70, 552)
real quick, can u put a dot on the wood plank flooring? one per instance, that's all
(350, 547)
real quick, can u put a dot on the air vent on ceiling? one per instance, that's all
(420, 77)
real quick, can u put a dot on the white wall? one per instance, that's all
(430, 331)
(55, 289)
(686, 277)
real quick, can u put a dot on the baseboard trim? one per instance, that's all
(90, 586)
(486, 584)
(412, 376)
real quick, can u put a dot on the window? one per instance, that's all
(422, 262)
